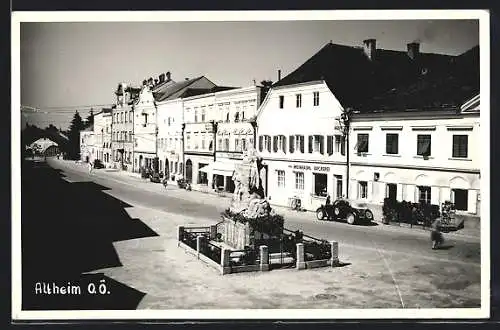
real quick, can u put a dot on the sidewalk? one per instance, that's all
(212, 198)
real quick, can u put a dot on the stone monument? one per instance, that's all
(250, 215)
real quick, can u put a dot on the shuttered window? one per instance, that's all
(460, 146)
(329, 144)
(291, 142)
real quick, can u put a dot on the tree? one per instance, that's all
(90, 119)
(74, 136)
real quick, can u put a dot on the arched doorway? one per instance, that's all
(167, 168)
(189, 171)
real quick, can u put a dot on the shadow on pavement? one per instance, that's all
(68, 229)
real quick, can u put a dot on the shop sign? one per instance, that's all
(315, 168)
(230, 155)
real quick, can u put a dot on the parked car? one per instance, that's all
(344, 210)
(155, 177)
(183, 184)
(98, 164)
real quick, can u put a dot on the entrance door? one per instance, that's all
(338, 186)
(167, 172)
(189, 171)
(392, 191)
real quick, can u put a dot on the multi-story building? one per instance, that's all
(170, 120)
(102, 136)
(87, 144)
(236, 132)
(421, 143)
(123, 126)
(299, 133)
(146, 129)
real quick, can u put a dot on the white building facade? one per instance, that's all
(170, 120)
(301, 145)
(417, 157)
(145, 129)
(103, 136)
(87, 145)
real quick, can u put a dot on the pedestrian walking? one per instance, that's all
(90, 167)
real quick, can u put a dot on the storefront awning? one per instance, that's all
(219, 168)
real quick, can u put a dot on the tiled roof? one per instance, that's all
(163, 92)
(447, 88)
(200, 91)
(353, 77)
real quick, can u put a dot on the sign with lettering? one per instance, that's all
(315, 168)
(230, 155)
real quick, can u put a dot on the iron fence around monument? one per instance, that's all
(189, 235)
(211, 250)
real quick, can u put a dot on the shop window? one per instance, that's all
(423, 145)
(320, 184)
(362, 144)
(281, 178)
(460, 198)
(299, 180)
(460, 146)
(424, 194)
(362, 189)
(202, 176)
(298, 100)
(391, 143)
(338, 185)
(391, 190)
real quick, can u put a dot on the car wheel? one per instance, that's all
(369, 215)
(320, 214)
(350, 218)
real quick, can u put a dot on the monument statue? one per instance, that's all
(248, 197)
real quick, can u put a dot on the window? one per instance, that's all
(320, 184)
(460, 144)
(145, 120)
(424, 194)
(299, 180)
(460, 198)
(171, 145)
(226, 144)
(279, 143)
(391, 143)
(267, 143)
(195, 115)
(203, 143)
(237, 117)
(362, 145)
(316, 143)
(282, 101)
(188, 142)
(168, 121)
(126, 115)
(244, 144)
(250, 141)
(339, 145)
(298, 143)
(243, 114)
(227, 117)
(196, 141)
(423, 144)
(203, 113)
(219, 144)
(130, 136)
(298, 100)
(125, 137)
(130, 116)
(202, 176)
(338, 180)
(329, 144)
(211, 145)
(362, 189)
(121, 117)
(316, 99)
(237, 146)
(281, 178)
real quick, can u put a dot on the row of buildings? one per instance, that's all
(359, 122)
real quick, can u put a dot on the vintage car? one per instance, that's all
(344, 210)
(97, 164)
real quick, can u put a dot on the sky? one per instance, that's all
(67, 66)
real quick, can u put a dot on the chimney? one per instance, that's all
(370, 46)
(279, 75)
(168, 76)
(161, 78)
(413, 50)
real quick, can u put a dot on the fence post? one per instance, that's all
(213, 232)
(199, 241)
(180, 230)
(335, 253)
(300, 263)
(224, 261)
(264, 258)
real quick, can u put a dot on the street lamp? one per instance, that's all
(345, 125)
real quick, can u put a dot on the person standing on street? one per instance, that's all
(90, 167)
